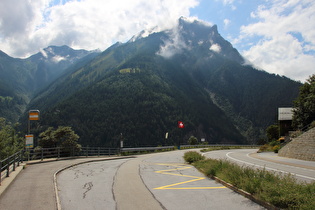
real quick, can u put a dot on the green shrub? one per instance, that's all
(192, 140)
(282, 191)
(192, 156)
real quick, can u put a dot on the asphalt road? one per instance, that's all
(155, 181)
(33, 188)
(302, 170)
(83, 186)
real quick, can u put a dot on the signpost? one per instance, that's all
(29, 141)
(33, 115)
(285, 115)
(121, 141)
(180, 124)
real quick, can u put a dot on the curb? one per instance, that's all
(5, 183)
(245, 194)
(72, 165)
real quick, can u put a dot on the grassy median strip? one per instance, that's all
(282, 191)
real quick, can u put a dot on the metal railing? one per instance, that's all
(219, 145)
(9, 164)
(141, 149)
(57, 152)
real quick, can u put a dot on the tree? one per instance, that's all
(10, 142)
(66, 137)
(304, 105)
(192, 140)
(63, 137)
(272, 132)
(46, 138)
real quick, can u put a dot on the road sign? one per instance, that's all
(29, 141)
(33, 115)
(180, 124)
(285, 113)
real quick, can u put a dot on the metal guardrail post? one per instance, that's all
(98, 151)
(42, 154)
(0, 171)
(58, 151)
(19, 159)
(8, 167)
(14, 159)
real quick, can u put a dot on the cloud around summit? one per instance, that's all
(26, 26)
(277, 36)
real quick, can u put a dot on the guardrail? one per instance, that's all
(9, 164)
(218, 145)
(57, 152)
(141, 149)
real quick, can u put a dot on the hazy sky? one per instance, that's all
(275, 35)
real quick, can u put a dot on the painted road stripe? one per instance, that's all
(268, 168)
(181, 167)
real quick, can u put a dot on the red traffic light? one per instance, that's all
(180, 124)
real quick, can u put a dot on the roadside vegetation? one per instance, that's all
(303, 117)
(10, 141)
(227, 148)
(282, 191)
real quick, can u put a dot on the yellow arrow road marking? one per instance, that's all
(181, 167)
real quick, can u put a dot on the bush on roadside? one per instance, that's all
(276, 148)
(192, 156)
(280, 190)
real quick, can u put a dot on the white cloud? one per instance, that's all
(286, 30)
(43, 53)
(215, 48)
(226, 22)
(27, 26)
(228, 3)
(175, 44)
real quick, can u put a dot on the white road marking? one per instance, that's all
(268, 168)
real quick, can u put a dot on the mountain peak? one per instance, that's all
(56, 54)
(194, 22)
(191, 33)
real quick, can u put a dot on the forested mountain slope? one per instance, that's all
(140, 89)
(21, 79)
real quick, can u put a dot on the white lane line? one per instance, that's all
(295, 167)
(268, 168)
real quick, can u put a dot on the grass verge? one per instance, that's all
(226, 148)
(281, 191)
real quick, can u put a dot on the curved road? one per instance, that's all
(302, 170)
(155, 181)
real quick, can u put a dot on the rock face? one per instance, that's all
(302, 147)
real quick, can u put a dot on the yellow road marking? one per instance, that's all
(181, 167)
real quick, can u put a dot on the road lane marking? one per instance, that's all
(268, 168)
(181, 167)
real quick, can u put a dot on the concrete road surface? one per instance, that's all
(33, 188)
(155, 181)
